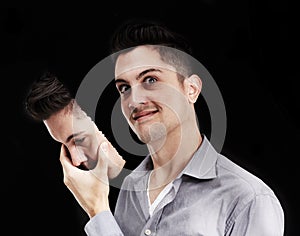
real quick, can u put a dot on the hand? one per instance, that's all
(115, 161)
(90, 188)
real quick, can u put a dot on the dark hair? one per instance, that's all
(138, 32)
(47, 96)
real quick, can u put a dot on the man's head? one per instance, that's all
(132, 34)
(155, 81)
(50, 101)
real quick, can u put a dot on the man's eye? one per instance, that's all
(79, 141)
(123, 88)
(149, 80)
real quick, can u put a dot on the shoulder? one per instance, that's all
(240, 182)
(247, 195)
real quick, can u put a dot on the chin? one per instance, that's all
(156, 133)
(148, 139)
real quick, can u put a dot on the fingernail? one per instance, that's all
(104, 146)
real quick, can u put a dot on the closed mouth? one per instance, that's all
(141, 114)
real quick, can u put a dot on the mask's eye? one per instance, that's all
(123, 88)
(79, 141)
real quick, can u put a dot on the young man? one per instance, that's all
(183, 187)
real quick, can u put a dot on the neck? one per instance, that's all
(170, 158)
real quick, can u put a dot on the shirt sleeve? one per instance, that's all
(263, 216)
(103, 223)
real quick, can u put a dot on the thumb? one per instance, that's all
(66, 162)
(101, 169)
(64, 157)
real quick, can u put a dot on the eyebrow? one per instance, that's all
(139, 75)
(72, 136)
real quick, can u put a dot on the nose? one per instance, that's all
(137, 97)
(77, 156)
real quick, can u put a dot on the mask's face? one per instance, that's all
(77, 134)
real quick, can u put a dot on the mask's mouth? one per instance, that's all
(82, 166)
(87, 165)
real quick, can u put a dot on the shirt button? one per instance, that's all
(147, 231)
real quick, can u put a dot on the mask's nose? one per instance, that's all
(77, 156)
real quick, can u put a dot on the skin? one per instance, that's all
(160, 110)
(152, 100)
(79, 134)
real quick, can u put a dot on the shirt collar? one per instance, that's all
(202, 165)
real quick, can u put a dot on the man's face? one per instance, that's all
(153, 100)
(78, 135)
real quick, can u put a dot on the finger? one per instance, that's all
(103, 155)
(115, 156)
(101, 169)
(100, 136)
(115, 161)
(64, 155)
(65, 159)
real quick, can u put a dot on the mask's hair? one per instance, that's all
(46, 97)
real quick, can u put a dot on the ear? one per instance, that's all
(193, 85)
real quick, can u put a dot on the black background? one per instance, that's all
(247, 46)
